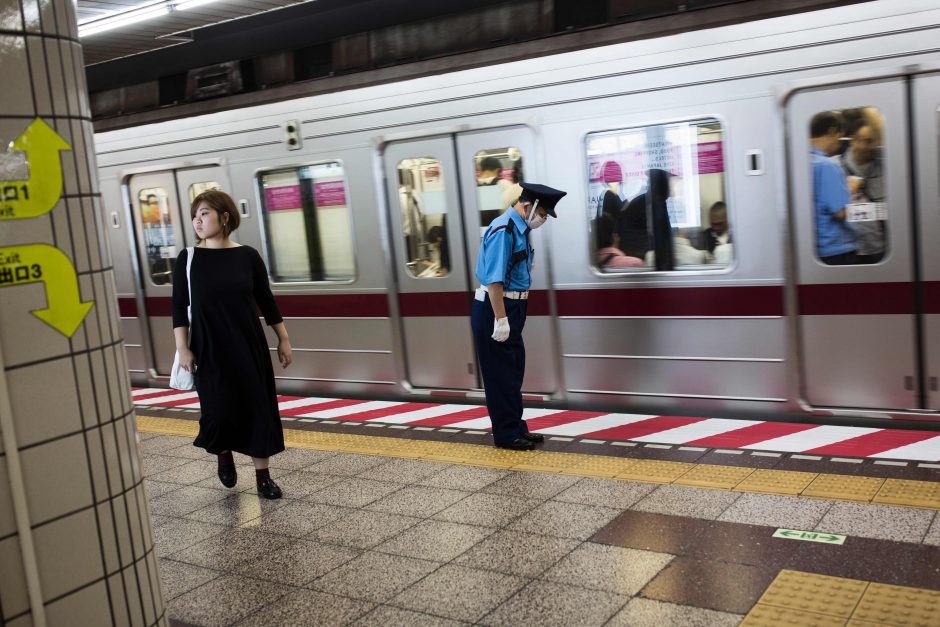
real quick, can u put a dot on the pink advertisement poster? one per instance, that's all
(634, 164)
(282, 198)
(330, 194)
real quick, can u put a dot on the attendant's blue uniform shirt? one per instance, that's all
(495, 254)
(830, 195)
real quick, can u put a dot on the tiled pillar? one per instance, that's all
(76, 546)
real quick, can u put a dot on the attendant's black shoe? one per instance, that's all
(228, 475)
(269, 490)
(519, 444)
(536, 438)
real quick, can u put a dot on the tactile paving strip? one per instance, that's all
(787, 482)
(899, 605)
(801, 599)
(655, 471)
(906, 492)
(844, 487)
(714, 476)
(924, 494)
(770, 616)
(808, 592)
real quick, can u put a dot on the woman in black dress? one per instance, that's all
(227, 349)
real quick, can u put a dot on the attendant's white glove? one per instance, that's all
(501, 329)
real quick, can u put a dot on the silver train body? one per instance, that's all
(772, 333)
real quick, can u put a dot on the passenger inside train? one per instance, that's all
(609, 255)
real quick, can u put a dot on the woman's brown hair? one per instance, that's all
(222, 204)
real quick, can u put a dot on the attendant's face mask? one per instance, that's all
(535, 220)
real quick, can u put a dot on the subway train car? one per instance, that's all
(368, 207)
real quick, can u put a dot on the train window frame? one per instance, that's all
(263, 229)
(727, 195)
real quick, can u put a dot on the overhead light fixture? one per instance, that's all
(190, 4)
(122, 19)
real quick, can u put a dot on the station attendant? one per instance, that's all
(504, 269)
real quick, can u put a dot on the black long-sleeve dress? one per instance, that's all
(234, 376)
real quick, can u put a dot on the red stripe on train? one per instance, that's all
(815, 300)
(842, 299)
(673, 301)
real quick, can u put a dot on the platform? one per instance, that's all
(383, 525)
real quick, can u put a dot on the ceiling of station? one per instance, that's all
(169, 29)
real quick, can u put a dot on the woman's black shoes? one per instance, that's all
(269, 490)
(228, 475)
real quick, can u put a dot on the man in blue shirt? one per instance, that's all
(504, 269)
(836, 242)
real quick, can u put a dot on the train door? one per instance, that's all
(856, 266)
(485, 196)
(430, 263)
(443, 193)
(926, 91)
(160, 207)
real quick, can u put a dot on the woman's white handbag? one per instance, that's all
(180, 379)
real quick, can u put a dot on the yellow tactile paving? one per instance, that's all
(922, 494)
(714, 476)
(654, 471)
(769, 616)
(800, 599)
(786, 482)
(844, 487)
(907, 492)
(808, 592)
(899, 605)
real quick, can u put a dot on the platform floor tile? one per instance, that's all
(844, 487)
(714, 476)
(802, 599)
(783, 482)
(906, 492)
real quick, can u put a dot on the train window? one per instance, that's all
(657, 198)
(498, 172)
(307, 224)
(849, 204)
(424, 217)
(158, 235)
(197, 188)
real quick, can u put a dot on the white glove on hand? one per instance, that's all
(501, 329)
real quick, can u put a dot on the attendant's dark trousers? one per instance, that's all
(502, 365)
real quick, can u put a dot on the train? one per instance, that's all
(368, 207)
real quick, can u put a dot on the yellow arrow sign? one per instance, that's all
(41, 191)
(35, 263)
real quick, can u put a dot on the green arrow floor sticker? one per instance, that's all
(41, 263)
(39, 193)
(809, 536)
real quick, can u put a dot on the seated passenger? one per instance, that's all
(717, 232)
(723, 254)
(609, 255)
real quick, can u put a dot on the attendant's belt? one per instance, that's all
(512, 294)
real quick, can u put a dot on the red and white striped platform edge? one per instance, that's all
(722, 433)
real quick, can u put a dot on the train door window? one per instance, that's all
(423, 206)
(154, 207)
(657, 198)
(307, 224)
(849, 206)
(197, 188)
(498, 174)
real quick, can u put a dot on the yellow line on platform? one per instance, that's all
(909, 493)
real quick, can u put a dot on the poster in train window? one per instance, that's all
(850, 210)
(423, 204)
(307, 225)
(158, 234)
(657, 198)
(498, 174)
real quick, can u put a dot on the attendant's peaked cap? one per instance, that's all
(547, 196)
